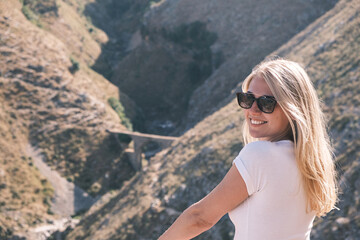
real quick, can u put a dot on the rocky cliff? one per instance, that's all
(169, 56)
(180, 62)
(245, 31)
(184, 173)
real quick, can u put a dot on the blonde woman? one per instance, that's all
(284, 176)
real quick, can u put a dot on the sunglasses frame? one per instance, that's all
(258, 101)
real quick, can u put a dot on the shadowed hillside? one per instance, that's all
(169, 57)
(183, 174)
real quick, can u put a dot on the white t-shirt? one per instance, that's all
(276, 206)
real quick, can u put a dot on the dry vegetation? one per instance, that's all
(25, 195)
(46, 105)
(176, 178)
(52, 99)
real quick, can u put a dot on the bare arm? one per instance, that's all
(202, 215)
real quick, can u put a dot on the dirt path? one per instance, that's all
(68, 199)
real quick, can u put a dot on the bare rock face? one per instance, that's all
(240, 24)
(210, 60)
(184, 173)
(247, 32)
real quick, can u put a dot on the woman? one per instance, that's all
(284, 176)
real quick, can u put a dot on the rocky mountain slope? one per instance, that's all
(255, 33)
(241, 24)
(169, 56)
(179, 69)
(179, 176)
(180, 62)
(52, 101)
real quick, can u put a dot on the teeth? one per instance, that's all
(256, 122)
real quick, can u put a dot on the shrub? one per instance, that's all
(31, 16)
(119, 109)
(75, 66)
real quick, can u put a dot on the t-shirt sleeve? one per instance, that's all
(251, 164)
(244, 174)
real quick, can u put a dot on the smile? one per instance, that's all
(257, 122)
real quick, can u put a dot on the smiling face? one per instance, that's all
(265, 126)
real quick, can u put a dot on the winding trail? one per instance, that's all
(68, 198)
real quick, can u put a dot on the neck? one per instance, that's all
(285, 135)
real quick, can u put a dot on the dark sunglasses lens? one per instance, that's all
(245, 100)
(267, 105)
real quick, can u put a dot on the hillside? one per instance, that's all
(259, 32)
(53, 102)
(182, 174)
(171, 57)
(179, 62)
(329, 49)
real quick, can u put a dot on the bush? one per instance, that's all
(31, 16)
(119, 109)
(75, 66)
(5, 233)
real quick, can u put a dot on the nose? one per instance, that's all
(254, 108)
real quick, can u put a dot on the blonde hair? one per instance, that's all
(297, 97)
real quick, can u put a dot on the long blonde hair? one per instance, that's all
(297, 97)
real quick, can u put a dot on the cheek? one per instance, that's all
(283, 121)
(246, 113)
(280, 118)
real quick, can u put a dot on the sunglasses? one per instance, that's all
(265, 103)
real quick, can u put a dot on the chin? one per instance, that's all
(255, 133)
(257, 136)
